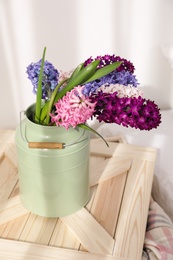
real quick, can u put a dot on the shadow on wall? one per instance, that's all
(9, 67)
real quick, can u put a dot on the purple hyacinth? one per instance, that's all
(50, 77)
(134, 112)
(123, 77)
(109, 59)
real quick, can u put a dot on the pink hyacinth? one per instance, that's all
(73, 109)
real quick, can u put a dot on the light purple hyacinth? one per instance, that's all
(123, 77)
(50, 77)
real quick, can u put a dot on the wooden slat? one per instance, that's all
(108, 168)
(13, 229)
(88, 207)
(6, 138)
(63, 237)
(2, 148)
(134, 210)
(8, 179)
(15, 250)
(107, 202)
(12, 209)
(98, 148)
(9, 187)
(87, 230)
(117, 139)
(35, 229)
(11, 154)
(15, 191)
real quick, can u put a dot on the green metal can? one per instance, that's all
(53, 182)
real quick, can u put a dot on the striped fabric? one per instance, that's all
(158, 242)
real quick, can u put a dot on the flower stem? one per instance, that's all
(51, 101)
(86, 127)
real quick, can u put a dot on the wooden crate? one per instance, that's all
(110, 227)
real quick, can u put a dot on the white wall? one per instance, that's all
(73, 30)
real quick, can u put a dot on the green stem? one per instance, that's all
(51, 101)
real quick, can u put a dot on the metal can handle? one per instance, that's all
(47, 145)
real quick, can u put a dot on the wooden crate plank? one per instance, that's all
(14, 228)
(101, 196)
(88, 207)
(35, 229)
(6, 136)
(11, 209)
(8, 179)
(87, 230)
(107, 168)
(11, 154)
(98, 148)
(63, 237)
(117, 139)
(92, 197)
(15, 191)
(15, 250)
(107, 202)
(133, 215)
(2, 149)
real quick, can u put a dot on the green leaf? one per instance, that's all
(79, 79)
(39, 90)
(104, 71)
(77, 70)
(92, 130)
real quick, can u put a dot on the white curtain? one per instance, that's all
(72, 31)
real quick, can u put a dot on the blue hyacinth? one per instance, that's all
(123, 77)
(50, 77)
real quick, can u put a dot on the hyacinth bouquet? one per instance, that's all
(104, 88)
